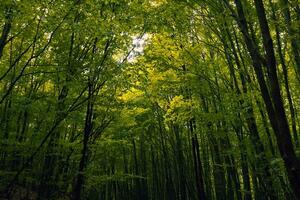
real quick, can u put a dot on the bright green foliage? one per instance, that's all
(149, 99)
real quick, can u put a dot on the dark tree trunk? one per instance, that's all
(283, 135)
(284, 68)
(5, 31)
(198, 169)
(79, 182)
(292, 35)
(274, 104)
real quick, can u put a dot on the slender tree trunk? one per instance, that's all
(51, 158)
(274, 105)
(283, 137)
(180, 162)
(5, 30)
(138, 184)
(285, 72)
(198, 169)
(79, 182)
(292, 34)
(255, 139)
(265, 124)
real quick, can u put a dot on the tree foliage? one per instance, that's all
(149, 99)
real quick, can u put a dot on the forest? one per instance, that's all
(149, 99)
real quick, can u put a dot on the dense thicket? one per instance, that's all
(149, 99)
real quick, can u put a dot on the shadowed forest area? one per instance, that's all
(149, 99)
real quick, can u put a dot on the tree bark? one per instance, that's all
(274, 104)
(5, 31)
(76, 194)
(283, 135)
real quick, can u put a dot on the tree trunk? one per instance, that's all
(198, 169)
(283, 134)
(5, 31)
(274, 105)
(79, 182)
